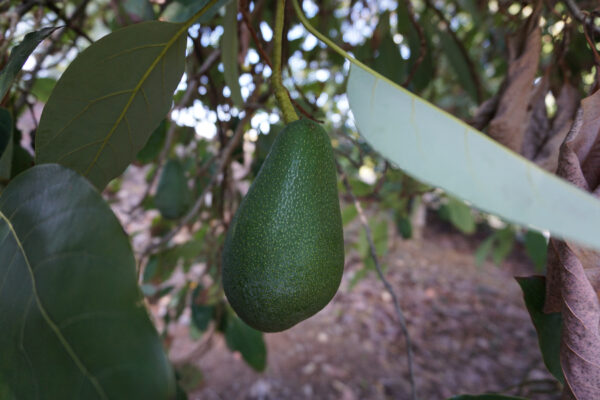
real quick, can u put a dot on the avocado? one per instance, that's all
(283, 256)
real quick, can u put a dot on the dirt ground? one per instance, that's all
(470, 331)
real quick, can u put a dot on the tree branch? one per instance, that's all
(581, 16)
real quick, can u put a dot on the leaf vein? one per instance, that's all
(47, 318)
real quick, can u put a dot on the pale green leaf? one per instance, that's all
(229, 53)
(440, 150)
(19, 55)
(74, 325)
(110, 99)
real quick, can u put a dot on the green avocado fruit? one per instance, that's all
(284, 253)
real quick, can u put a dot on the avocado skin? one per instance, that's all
(284, 252)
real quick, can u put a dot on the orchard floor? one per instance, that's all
(469, 327)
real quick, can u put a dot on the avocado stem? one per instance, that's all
(287, 108)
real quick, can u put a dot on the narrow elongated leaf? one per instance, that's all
(440, 150)
(19, 55)
(181, 10)
(248, 341)
(460, 215)
(73, 321)
(5, 131)
(548, 326)
(173, 197)
(458, 63)
(110, 99)
(42, 88)
(229, 53)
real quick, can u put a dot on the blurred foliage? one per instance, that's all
(456, 59)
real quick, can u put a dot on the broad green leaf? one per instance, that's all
(173, 196)
(154, 145)
(460, 215)
(161, 265)
(504, 242)
(537, 249)
(484, 249)
(440, 150)
(42, 88)
(348, 214)
(404, 226)
(380, 238)
(548, 326)
(19, 55)
(248, 341)
(73, 321)
(182, 10)
(490, 396)
(5, 393)
(111, 98)
(6, 125)
(181, 394)
(21, 159)
(202, 314)
(229, 54)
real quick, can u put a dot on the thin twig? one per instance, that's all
(388, 286)
(68, 21)
(581, 16)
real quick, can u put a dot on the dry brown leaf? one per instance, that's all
(513, 113)
(587, 144)
(580, 343)
(566, 107)
(573, 280)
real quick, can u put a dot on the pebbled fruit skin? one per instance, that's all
(284, 252)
